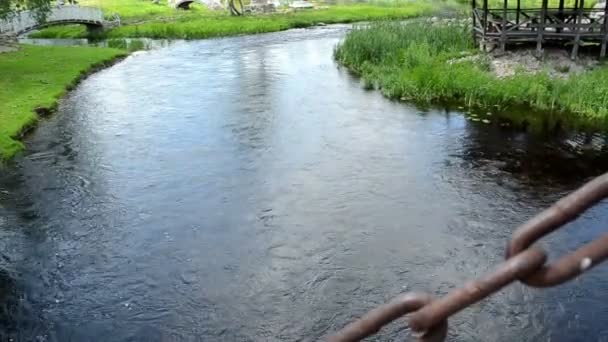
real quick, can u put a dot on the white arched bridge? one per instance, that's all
(25, 21)
(183, 4)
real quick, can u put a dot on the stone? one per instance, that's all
(8, 43)
(257, 7)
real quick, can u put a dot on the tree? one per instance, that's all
(41, 8)
(235, 9)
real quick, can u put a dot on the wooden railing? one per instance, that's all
(506, 25)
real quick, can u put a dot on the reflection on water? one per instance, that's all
(249, 189)
(123, 43)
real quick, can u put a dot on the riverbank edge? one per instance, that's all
(524, 110)
(519, 116)
(193, 28)
(45, 111)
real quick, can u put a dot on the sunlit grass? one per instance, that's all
(202, 23)
(133, 10)
(37, 76)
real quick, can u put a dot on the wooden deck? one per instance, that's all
(565, 26)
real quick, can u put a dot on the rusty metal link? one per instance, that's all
(511, 270)
(565, 210)
(429, 317)
(374, 320)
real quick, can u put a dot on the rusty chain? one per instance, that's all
(524, 262)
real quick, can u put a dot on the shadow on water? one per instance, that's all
(129, 44)
(9, 304)
(545, 156)
(18, 320)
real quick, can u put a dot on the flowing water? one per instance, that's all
(248, 189)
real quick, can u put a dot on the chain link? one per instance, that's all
(565, 210)
(524, 262)
(374, 320)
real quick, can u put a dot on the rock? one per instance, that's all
(188, 278)
(261, 6)
(556, 62)
(8, 43)
(301, 4)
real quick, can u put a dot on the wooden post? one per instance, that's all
(541, 30)
(473, 8)
(561, 13)
(485, 17)
(485, 22)
(575, 9)
(604, 32)
(517, 13)
(577, 37)
(503, 33)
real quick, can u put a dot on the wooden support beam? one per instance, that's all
(561, 13)
(503, 35)
(541, 30)
(473, 9)
(604, 32)
(485, 23)
(517, 12)
(578, 20)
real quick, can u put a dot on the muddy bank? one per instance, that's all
(555, 62)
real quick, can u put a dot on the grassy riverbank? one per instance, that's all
(34, 78)
(144, 19)
(415, 62)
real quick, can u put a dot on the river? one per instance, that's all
(249, 189)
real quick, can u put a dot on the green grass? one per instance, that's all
(135, 10)
(35, 77)
(150, 21)
(412, 62)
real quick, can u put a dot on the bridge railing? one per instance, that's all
(26, 20)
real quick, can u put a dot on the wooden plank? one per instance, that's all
(520, 26)
(526, 15)
(582, 27)
(568, 36)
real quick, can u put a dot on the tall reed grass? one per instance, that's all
(415, 61)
